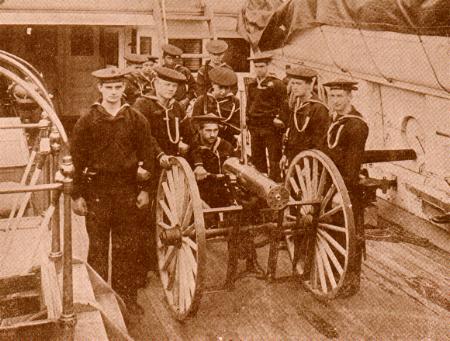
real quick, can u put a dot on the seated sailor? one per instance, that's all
(207, 155)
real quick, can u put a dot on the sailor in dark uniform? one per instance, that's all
(346, 139)
(208, 153)
(172, 131)
(347, 134)
(207, 156)
(221, 102)
(187, 91)
(216, 50)
(138, 79)
(305, 116)
(265, 97)
(107, 144)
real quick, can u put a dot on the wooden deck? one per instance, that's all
(404, 295)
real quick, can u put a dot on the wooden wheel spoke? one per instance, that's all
(188, 278)
(190, 259)
(171, 199)
(176, 286)
(322, 182)
(331, 212)
(331, 255)
(333, 227)
(323, 281)
(172, 276)
(315, 177)
(333, 242)
(168, 258)
(188, 230)
(183, 285)
(301, 181)
(327, 265)
(327, 198)
(187, 215)
(167, 212)
(307, 175)
(294, 185)
(190, 242)
(164, 225)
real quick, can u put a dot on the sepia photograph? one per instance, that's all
(224, 170)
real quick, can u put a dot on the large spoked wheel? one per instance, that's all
(180, 237)
(324, 253)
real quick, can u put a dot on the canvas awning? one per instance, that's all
(75, 18)
(269, 24)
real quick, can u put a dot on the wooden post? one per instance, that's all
(44, 150)
(67, 317)
(55, 146)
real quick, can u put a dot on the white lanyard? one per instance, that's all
(337, 122)
(299, 106)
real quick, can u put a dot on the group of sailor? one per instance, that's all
(120, 146)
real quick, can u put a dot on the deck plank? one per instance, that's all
(386, 307)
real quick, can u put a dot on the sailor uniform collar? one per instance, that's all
(300, 105)
(104, 114)
(156, 100)
(214, 147)
(167, 116)
(338, 123)
(228, 97)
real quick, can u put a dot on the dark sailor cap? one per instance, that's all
(342, 84)
(169, 74)
(135, 58)
(111, 74)
(152, 58)
(261, 57)
(223, 76)
(301, 73)
(216, 46)
(172, 50)
(208, 118)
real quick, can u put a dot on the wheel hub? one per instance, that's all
(171, 236)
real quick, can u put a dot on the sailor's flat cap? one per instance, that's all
(216, 46)
(169, 74)
(342, 84)
(223, 76)
(110, 74)
(151, 58)
(261, 57)
(299, 72)
(135, 58)
(172, 50)
(208, 118)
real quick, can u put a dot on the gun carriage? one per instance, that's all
(312, 212)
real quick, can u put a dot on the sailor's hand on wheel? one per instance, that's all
(283, 162)
(80, 207)
(142, 200)
(200, 173)
(164, 161)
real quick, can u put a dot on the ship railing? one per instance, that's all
(49, 164)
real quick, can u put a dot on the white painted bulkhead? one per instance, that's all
(404, 83)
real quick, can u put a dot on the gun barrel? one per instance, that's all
(276, 195)
(387, 155)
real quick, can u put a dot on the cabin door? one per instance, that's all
(81, 58)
